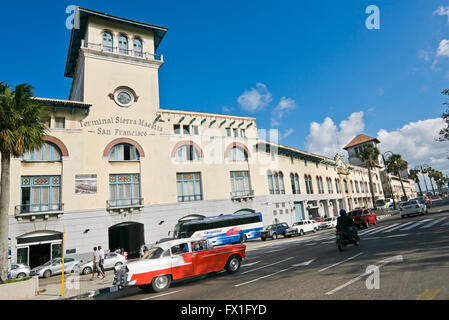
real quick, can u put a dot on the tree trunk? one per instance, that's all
(4, 209)
(402, 185)
(371, 186)
(431, 183)
(419, 186)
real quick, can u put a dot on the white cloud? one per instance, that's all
(442, 11)
(417, 143)
(255, 99)
(423, 54)
(226, 110)
(443, 50)
(286, 133)
(327, 139)
(285, 105)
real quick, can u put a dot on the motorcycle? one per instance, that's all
(343, 239)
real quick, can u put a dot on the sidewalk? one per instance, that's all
(74, 285)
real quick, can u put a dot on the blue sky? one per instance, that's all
(298, 59)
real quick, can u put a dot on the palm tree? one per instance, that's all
(369, 154)
(21, 130)
(395, 164)
(430, 171)
(438, 177)
(414, 176)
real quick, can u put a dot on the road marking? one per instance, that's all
(161, 295)
(393, 259)
(373, 230)
(400, 226)
(415, 224)
(383, 237)
(433, 223)
(428, 294)
(446, 224)
(276, 250)
(336, 264)
(268, 265)
(386, 228)
(250, 264)
(306, 263)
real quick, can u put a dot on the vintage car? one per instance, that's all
(179, 259)
(363, 217)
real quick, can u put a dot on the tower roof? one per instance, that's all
(78, 33)
(360, 139)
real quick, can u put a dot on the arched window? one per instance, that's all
(281, 183)
(292, 181)
(276, 183)
(187, 153)
(238, 154)
(123, 44)
(318, 184)
(48, 152)
(107, 41)
(298, 190)
(124, 152)
(270, 182)
(137, 47)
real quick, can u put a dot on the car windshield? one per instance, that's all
(153, 253)
(271, 227)
(298, 223)
(409, 203)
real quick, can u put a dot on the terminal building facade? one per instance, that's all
(117, 170)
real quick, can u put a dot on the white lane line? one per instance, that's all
(390, 226)
(268, 265)
(336, 264)
(250, 264)
(276, 250)
(384, 237)
(433, 223)
(400, 226)
(381, 229)
(326, 242)
(161, 295)
(415, 224)
(393, 259)
(446, 224)
(306, 263)
(373, 230)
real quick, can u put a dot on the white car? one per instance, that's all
(111, 260)
(329, 223)
(410, 207)
(302, 227)
(54, 267)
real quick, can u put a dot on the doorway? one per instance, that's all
(127, 235)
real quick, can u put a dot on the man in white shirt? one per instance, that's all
(101, 261)
(95, 264)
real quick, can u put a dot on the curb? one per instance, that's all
(94, 293)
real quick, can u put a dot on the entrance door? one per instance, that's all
(127, 235)
(299, 211)
(39, 254)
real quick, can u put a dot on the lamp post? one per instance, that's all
(385, 157)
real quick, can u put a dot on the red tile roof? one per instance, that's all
(360, 139)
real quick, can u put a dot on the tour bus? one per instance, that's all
(222, 229)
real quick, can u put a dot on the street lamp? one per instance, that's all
(385, 156)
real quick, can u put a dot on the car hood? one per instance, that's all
(148, 265)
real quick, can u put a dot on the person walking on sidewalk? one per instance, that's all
(101, 261)
(125, 253)
(95, 267)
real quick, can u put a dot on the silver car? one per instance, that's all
(111, 260)
(19, 271)
(412, 207)
(54, 267)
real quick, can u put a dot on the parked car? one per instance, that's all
(19, 271)
(412, 207)
(302, 227)
(54, 267)
(179, 259)
(422, 200)
(111, 260)
(318, 221)
(363, 217)
(273, 231)
(329, 223)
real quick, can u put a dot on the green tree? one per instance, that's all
(395, 164)
(430, 172)
(21, 130)
(369, 154)
(444, 133)
(413, 174)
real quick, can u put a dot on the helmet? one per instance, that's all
(342, 212)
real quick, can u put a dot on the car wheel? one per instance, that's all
(161, 283)
(314, 230)
(301, 232)
(233, 264)
(118, 264)
(263, 239)
(402, 216)
(367, 225)
(47, 274)
(274, 236)
(87, 270)
(21, 275)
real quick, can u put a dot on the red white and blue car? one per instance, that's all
(179, 259)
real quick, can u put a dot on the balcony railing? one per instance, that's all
(125, 52)
(39, 208)
(124, 203)
(242, 194)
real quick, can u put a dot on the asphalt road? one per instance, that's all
(397, 259)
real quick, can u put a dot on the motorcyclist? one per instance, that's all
(346, 225)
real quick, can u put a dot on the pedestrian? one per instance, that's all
(118, 250)
(125, 253)
(101, 262)
(141, 251)
(95, 264)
